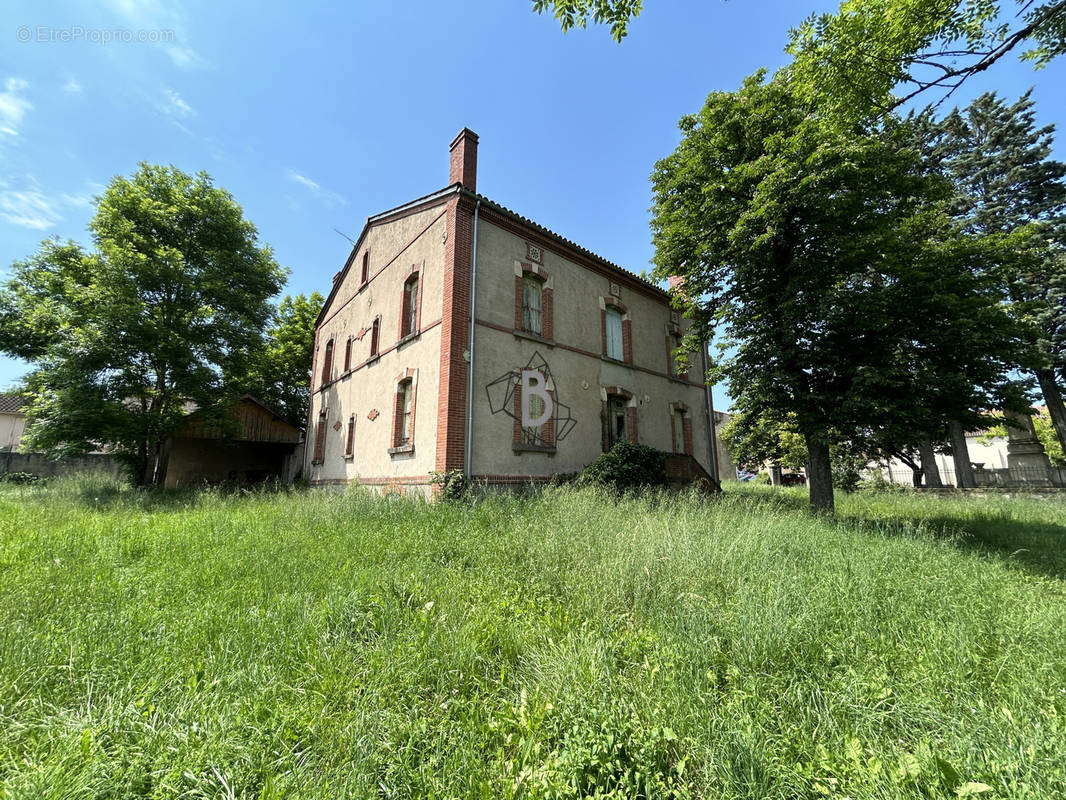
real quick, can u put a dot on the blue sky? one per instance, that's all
(318, 115)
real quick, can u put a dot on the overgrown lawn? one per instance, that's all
(323, 645)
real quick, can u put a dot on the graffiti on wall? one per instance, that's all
(539, 400)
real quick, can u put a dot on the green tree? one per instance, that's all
(281, 371)
(824, 256)
(126, 338)
(1006, 182)
(850, 63)
(754, 439)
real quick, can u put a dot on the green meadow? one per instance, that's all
(570, 644)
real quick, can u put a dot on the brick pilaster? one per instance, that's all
(455, 335)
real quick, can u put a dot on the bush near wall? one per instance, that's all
(627, 466)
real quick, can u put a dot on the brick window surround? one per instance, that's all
(523, 271)
(364, 276)
(673, 341)
(676, 410)
(411, 304)
(375, 336)
(320, 438)
(615, 399)
(327, 364)
(349, 444)
(627, 328)
(526, 438)
(403, 412)
(348, 355)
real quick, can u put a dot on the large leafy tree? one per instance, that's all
(874, 55)
(1006, 182)
(825, 259)
(280, 372)
(126, 338)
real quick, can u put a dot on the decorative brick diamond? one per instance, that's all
(337, 425)
(373, 415)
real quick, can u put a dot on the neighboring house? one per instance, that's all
(12, 422)
(400, 387)
(258, 445)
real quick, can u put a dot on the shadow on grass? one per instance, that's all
(1039, 546)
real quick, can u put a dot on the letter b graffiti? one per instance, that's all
(533, 384)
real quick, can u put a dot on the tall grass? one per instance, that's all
(275, 645)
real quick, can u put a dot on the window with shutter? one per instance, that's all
(409, 320)
(614, 334)
(531, 305)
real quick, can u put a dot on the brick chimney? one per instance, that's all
(464, 160)
(676, 282)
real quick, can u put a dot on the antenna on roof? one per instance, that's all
(346, 236)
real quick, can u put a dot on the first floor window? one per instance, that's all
(327, 363)
(679, 431)
(349, 445)
(409, 322)
(531, 305)
(614, 334)
(374, 332)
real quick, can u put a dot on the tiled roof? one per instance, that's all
(11, 403)
(562, 239)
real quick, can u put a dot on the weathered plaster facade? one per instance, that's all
(360, 400)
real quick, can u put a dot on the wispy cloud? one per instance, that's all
(327, 196)
(72, 86)
(13, 106)
(175, 106)
(161, 16)
(29, 207)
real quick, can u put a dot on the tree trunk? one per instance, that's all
(929, 467)
(964, 478)
(157, 468)
(819, 475)
(142, 463)
(1055, 406)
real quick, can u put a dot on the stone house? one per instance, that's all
(448, 308)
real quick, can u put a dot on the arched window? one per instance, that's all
(365, 276)
(327, 363)
(409, 314)
(348, 355)
(375, 331)
(349, 445)
(320, 439)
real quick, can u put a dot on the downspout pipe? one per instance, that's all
(710, 421)
(468, 450)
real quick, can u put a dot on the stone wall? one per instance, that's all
(41, 465)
